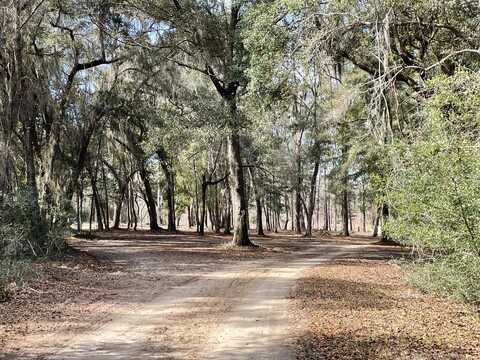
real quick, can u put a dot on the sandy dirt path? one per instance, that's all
(174, 297)
(240, 312)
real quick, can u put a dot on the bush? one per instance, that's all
(12, 275)
(16, 244)
(15, 229)
(433, 188)
(455, 275)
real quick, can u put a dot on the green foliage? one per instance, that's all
(456, 276)
(16, 229)
(267, 38)
(12, 274)
(433, 189)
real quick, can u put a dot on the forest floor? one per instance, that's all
(139, 295)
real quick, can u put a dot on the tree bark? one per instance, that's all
(311, 201)
(239, 200)
(326, 223)
(203, 202)
(149, 198)
(22, 111)
(385, 215)
(170, 179)
(287, 210)
(258, 203)
(107, 210)
(345, 216)
(96, 200)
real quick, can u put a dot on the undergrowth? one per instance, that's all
(456, 275)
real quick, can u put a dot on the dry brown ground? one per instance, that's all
(363, 309)
(348, 309)
(115, 273)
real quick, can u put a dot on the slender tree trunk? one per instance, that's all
(350, 215)
(107, 211)
(258, 202)
(376, 222)
(267, 217)
(228, 219)
(81, 203)
(118, 208)
(311, 201)
(159, 206)
(92, 209)
(211, 216)
(96, 199)
(285, 227)
(203, 200)
(149, 198)
(190, 215)
(260, 231)
(171, 203)
(79, 220)
(385, 216)
(298, 212)
(292, 209)
(217, 211)
(133, 199)
(170, 178)
(364, 210)
(129, 213)
(345, 217)
(326, 224)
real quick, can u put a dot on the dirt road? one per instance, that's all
(232, 311)
(236, 313)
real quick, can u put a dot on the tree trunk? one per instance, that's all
(107, 211)
(132, 209)
(79, 216)
(149, 198)
(285, 227)
(311, 200)
(190, 215)
(238, 194)
(376, 222)
(364, 210)
(350, 216)
(170, 178)
(216, 211)
(96, 200)
(298, 212)
(345, 217)
(20, 110)
(92, 209)
(159, 206)
(258, 202)
(292, 209)
(385, 215)
(203, 202)
(81, 204)
(129, 213)
(118, 209)
(326, 224)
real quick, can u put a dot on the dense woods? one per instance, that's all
(235, 116)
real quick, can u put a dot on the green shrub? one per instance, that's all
(16, 244)
(12, 275)
(433, 188)
(15, 229)
(455, 275)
